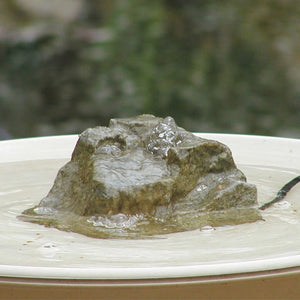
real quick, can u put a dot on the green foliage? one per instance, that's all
(213, 65)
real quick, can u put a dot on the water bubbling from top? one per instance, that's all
(164, 136)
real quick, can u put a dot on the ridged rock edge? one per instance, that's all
(146, 176)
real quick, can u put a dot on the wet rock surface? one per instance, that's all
(145, 176)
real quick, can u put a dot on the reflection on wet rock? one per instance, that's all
(144, 176)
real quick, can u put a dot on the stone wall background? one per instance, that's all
(218, 66)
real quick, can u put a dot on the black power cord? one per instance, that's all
(281, 193)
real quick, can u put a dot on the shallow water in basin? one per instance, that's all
(24, 184)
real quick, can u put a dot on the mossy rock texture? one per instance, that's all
(146, 176)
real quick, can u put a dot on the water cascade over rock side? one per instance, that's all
(145, 176)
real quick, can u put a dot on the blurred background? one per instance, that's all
(215, 66)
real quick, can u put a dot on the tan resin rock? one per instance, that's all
(144, 176)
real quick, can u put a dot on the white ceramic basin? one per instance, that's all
(257, 255)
